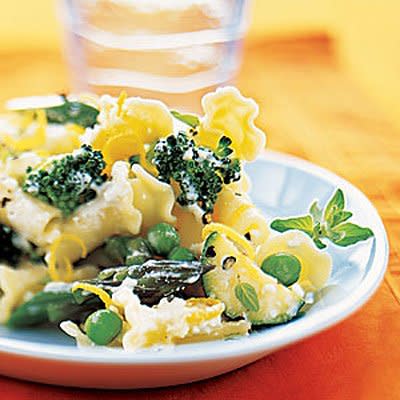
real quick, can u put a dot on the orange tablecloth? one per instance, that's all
(310, 109)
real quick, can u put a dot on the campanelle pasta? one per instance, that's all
(236, 210)
(227, 112)
(154, 199)
(17, 284)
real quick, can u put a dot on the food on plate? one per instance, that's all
(130, 225)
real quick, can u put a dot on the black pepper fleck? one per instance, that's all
(210, 252)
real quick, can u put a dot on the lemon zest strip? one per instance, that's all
(102, 294)
(52, 263)
(69, 269)
(231, 234)
(121, 99)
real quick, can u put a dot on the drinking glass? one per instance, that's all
(173, 50)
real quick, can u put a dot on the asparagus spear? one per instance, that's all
(152, 280)
(51, 306)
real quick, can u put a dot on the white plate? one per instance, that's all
(282, 186)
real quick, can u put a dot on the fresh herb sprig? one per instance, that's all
(188, 119)
(247, 296)
(72, 112)
(331, 223)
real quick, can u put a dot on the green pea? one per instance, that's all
(138, 251)
(103, 326)
(284, 267)
(181, 254)
(163, 238)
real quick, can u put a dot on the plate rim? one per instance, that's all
(251, 345)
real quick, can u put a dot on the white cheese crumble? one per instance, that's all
(298, 290)
(57, 287)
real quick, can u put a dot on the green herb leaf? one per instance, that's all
(315, 211)
(319, 243)
(188, 119)
(304, 224)
(334, 206)
(223, 149)
(350, 234)
(331, 224)
(339, 217)
(247, 295)
(72, 112)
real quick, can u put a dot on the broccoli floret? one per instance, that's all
(69, 181)
(13, 247)
(200, 172)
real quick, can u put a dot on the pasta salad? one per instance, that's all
(130, 225)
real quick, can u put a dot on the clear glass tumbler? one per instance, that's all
(173, 50)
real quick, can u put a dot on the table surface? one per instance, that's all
(309, 108)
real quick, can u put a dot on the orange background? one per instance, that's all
(326, 75)
(366, 35)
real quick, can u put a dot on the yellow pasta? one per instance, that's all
(189, 224)
(228, 113)
(112, 212)
(236, 210)
(33, 137)
(150, 119)
(15, 167)
(169, 322)
(35, 220)
(152, 198)
(15, 284)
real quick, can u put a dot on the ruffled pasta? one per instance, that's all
(144, 120)
(189, 225)
(167, 323)
(236, 210)
(277, 303)
(112, 212)
(152, 198)
(243, 185)
(35, 220)
(17, 284)
(228, 113)
(15, 167)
